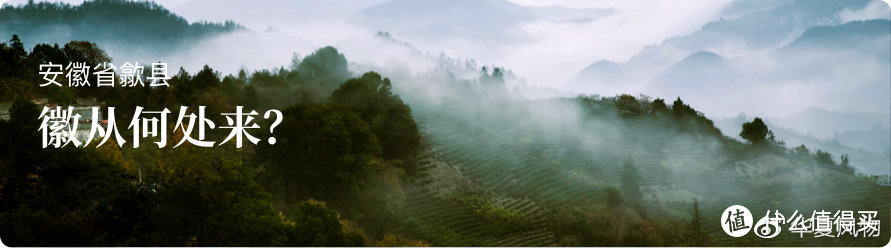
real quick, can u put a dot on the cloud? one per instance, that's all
(781, 84)
(548, 53)
(559, 50)
(874, 10)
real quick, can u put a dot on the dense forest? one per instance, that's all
(379, 157)
(108, 21)
(357, 139)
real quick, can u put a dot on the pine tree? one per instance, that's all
(699, 237)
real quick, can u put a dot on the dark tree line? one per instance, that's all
(142, 24)
(335, 161)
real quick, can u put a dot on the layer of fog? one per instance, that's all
(818, 95)
(780, 85)
(751, 29)
(546, 53)
(873, 10)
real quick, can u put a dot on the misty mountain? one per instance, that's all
(825, 123)
(866, 37)
(704, 66)
(869, 148)
(770, 28)
(845, 77)
(147, 25)
(603, 70)
(551, 153)
(836, 67)
(153, 33)
(871, 139)
(849, 78)
(748, 27)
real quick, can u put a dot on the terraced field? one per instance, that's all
(527, 168)
(536, 167)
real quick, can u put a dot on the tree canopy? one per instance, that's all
(754, 131)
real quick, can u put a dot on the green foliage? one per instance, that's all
(205, 78)
(19, 70)
(147, 25)
(630, 179)
(85, 51)
(191, 196)
(801, 152)
(63, 96)
(249, 222)
(325, 67)
(316, 225)
(15, 69)
(391, 240)
(754, 131)
(21, 155)
(12, 57)
(382, 198)
(659, 107)
(205, 196)
(79, 192)
(44, 53)
(824, 158)
(699, 235)
(845, 162)
(612, 197)
(679, 115)
(486, 208)
(389, 118)
(197, 186)
(628, 105)
(328, 150)
(492, 84)
(591, 223)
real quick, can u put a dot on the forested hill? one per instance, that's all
(500, 169)
(606, 171)
(138, 24)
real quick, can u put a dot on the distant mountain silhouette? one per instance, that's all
(145, 25)
(751, 27)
